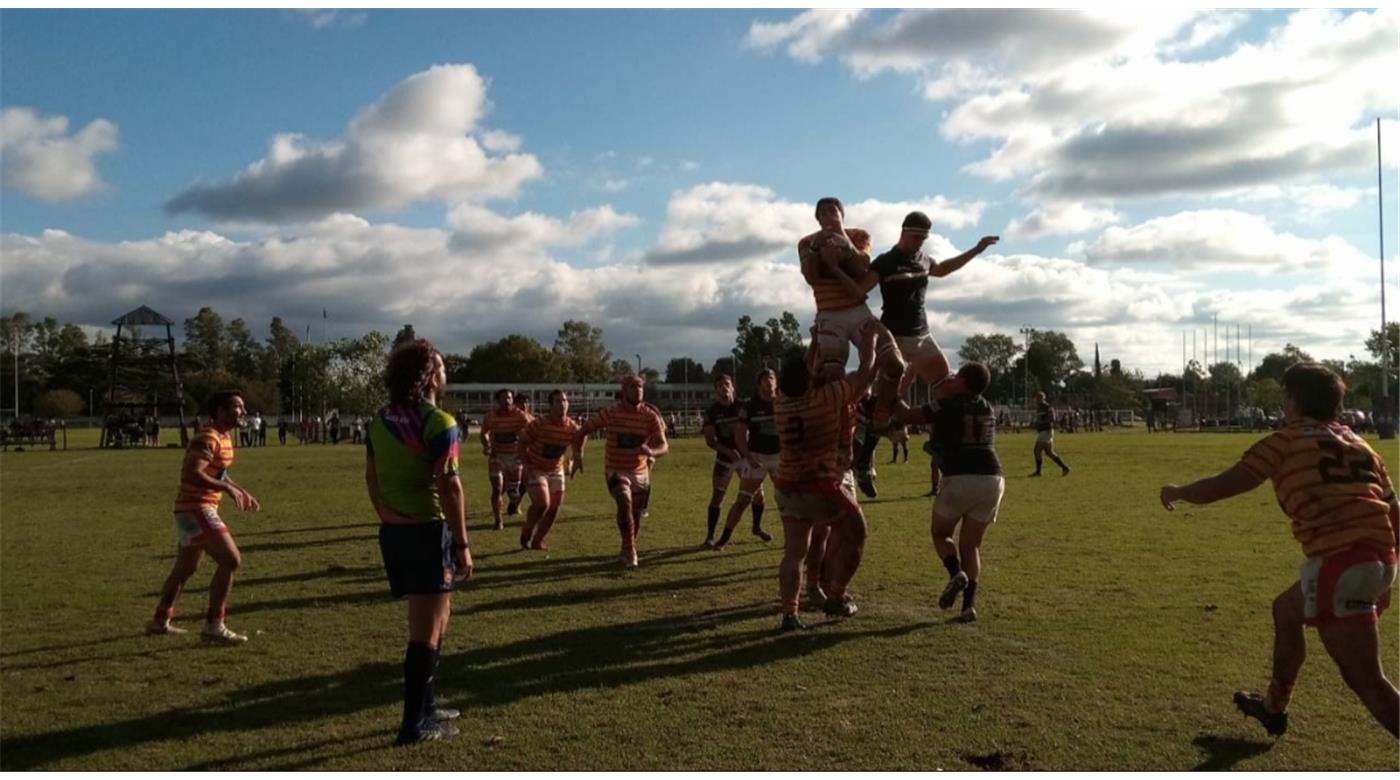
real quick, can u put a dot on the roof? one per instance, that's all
(143, 315)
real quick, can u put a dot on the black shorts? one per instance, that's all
(417, 558)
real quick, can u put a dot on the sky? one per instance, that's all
(481, 173)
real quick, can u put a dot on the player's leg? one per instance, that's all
(186, 563)
(427, 621)
(641, 501)
(756, 509)
(844, 553)
(1050, 452)
(556, 500)
(747, 486)
(797, 538)
(621, 490)
(1037, 450)
(720, 476)
(1290, 650)
(1355, 646)
(540, 503)
(513, 487)
(222, 549)
(814, 564)
(942, 525)
(497, 475)
(889, 373)
(970, 538)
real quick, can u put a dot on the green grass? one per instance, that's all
(1111, 634)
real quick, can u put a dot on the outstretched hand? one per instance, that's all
(1169, 496)
(986, 241)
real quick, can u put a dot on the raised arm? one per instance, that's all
(952, 264)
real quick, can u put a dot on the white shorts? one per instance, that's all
(552, 481)
(919, 350)
(1345, 585)
(838, 330)
(767, 467)
(194, 527)
(504, 465)
(975, 496)
(818, 501)
(628, 482)
(1045, 437)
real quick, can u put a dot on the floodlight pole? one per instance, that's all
(1380, 212)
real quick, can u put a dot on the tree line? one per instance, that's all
(61, 370)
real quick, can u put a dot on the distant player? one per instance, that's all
(899, 440)
(814, 488)
(722, 420)
(411, 456)
(636, 437)
(758, 446)
(903, 273)
(1045, 435)
(964, 436)
(500, 434)
(544, 442)
(1342, 504)
(204, 480)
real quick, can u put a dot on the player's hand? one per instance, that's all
(1169, 496)
(645, 449)
(986, 241)
(462, 562)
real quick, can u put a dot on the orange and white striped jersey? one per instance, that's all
(813, 426)
(628, 428)
(831, 294)
(218, 449)
(503, 430)
(544, 442)
(1330, 483)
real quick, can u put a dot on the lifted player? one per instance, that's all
(1335, 490)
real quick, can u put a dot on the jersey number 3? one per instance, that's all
(795, 432)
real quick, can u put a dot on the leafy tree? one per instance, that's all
(206, 343)
(458, 370)
(994, 350)
(356, 373)
(1274, 364)
(1052, 359)
(515, 358)
(620, 368)
(245, 353)
(1375, 342)
(1265, 393)
(765, 346)
(685, 369)
(581, 351)
(405, 334)
(59, 403)
(724, 365)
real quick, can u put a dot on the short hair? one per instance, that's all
(219, 401)
(502, 392)
(832, 202)
(976, 376)
(917, 221)
(633, 379)
(1316, 389)
(554, 392)
(410, 370)
(766, 372)
(796, 378)
(723, 378)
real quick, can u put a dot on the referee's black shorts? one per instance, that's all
(417, 557)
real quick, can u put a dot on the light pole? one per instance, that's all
(639, 365)
(1028, 331)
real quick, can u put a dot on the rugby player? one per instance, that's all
(1045, 435)
(964, 436)
(814, 488)
(1335, 490)
(411, 476)
(204, 480)
(721, 422)
(757, 443)
(544, 442)
(500, 433)
(636, 437)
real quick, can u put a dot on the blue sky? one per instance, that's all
(485, 172)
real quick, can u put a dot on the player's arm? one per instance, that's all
(454, 509)
(741, 439)
(486, 434)
(656, 445)
(904, 415)
(195, 471)
(952, 264)
(580, 441)
(1229, 483)
(376, 499)
(253, 504)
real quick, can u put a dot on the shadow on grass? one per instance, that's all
(1224, 752)
(605, 656)
(284, 531)
(323, 542)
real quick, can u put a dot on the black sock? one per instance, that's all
(951, 564)
(1058, 462)
(724, 536)
(711, 521)
(757, 516)
(866, 453)
(969, 594)
(417, 675)
(1037, 465)
(429, 693)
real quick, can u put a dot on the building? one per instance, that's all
(474, 399)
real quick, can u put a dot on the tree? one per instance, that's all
(620, 368)
(1274, 364)
(458, 370)
(580, 350)
(245, 353)
(206, 343)
(685, 369)
(279, 355)
(59, 403)
(356, 373)
(405, 334)
(994, 350)
(1374, 343)
(515, 358)
(765, 346)
(724, 365)
(1266, 394)
(1052, 359)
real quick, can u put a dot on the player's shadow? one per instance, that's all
(614, 655)
(629, 589)
(284, 531)
(1223, 753)
(323, 542)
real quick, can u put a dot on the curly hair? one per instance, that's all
(410, 371)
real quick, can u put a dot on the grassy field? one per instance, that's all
(1111, 633)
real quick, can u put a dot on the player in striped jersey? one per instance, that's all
(500, 434)
(756, 441)
(814, 487)
(722, 420)
(544, 442)
(1343, 510)
(204, 480)
(636, 437)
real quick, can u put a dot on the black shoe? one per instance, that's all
(427, 731)
(708, 545)
(513, 508)
(444, 713)
(500, 525)
(931, 494)
(790, 623)
(1252, 705)
(1064, 471)
(842, 607)
(866, 481)
(762, 534)
(1036, 474)
(955, 585)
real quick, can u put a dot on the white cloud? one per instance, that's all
(807, 35)
(479, 229)
(418, 142)
(689, 166)
(1311, 201)
(1061, 218)
(41, 159)
(322, 18)
(1217, 240)
(613, 185)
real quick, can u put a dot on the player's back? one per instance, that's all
(1331, 484)
(811, 427)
